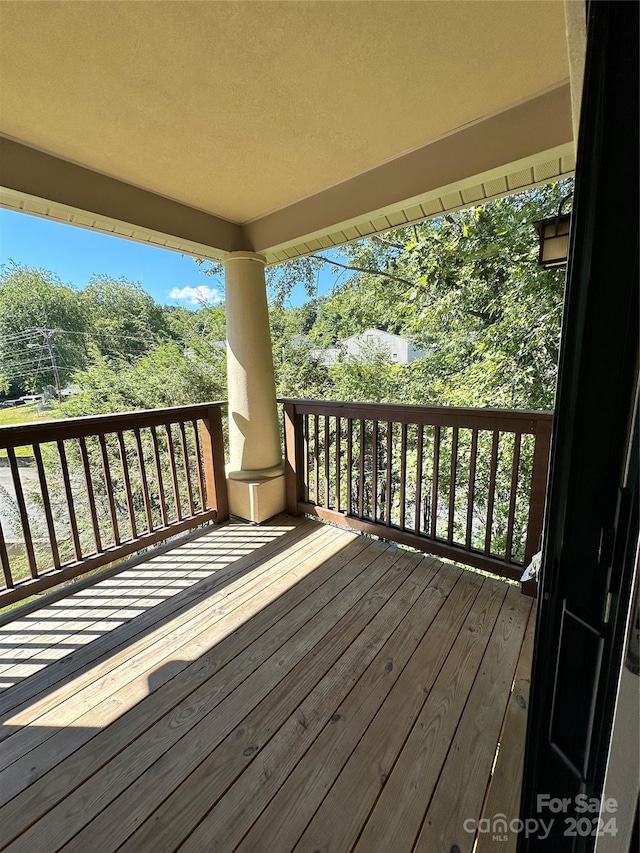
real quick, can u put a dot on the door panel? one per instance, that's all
(592, 517)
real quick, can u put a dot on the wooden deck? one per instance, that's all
(279, 688)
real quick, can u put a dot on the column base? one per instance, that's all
(257, 499)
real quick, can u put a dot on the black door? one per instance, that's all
(592, 509)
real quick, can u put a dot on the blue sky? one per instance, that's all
(75, 254)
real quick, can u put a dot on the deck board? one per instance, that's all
(64, 741)
(144, 580)
(294, 712)
(395, 821)
(308, 690)
(87, 612)
(467, 770)
(280, 825)
(222, 560)
(65, 705)
(321, 640)
(503, 794)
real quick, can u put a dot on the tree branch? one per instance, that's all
(367, 271)
(389, 243)
(482, 315)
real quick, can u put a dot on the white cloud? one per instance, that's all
(200, 295)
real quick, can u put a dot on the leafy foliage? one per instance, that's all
(162, 377)
(123, 321)
(467, 288)
(31, 301)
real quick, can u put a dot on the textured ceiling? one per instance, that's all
(242, 108)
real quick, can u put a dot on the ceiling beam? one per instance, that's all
(27, 172)
(474, 163)
(527, 133)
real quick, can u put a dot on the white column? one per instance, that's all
(255, 475)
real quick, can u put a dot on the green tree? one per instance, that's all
(202, 331)
(163, 377)
(297, 371)
(42, 329)
(465, 287)
(122, 319)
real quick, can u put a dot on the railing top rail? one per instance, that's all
(508, 420)
(18, 435)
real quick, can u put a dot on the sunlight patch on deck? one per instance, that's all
(30, 643)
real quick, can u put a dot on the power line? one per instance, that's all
(20, 364)
(47, 346)
(18, 335)
(99, 333)
(15, 362)
(25, 359)
(38, 330)
(19, 374)
(9, 359)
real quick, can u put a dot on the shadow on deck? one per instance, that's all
(288, 687)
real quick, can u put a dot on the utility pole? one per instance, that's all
(47, 336)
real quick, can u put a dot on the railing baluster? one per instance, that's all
(492, 491)
(452, 483)
(143, 478)
(327, 461)
(349, 464)
(158, 467)
(106, 471)
(46, 504)
(473, 453)
(305, 457)
(363, 438)
(90, 493)
(196, 438)
(173, 471)
(316, 458)
(437, 514)
(338, 462)
(515, 466)
(119, 490)
(4, 559)
(387, 508)
(22, 508)
(435, 483)
(403, 473)
(185, 462)
(419, 450)
(127, 485)
(69, 495)
(293, 474)
(374, 470)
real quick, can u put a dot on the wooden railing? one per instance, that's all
(85, 492)
(466, 484)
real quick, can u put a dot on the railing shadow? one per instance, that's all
(43, 725)
(67, 756)
(38, 651)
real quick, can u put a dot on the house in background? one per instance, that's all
(397, 349)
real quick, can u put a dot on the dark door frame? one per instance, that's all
(592, 510)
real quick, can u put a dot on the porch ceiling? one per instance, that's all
(276, 126)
